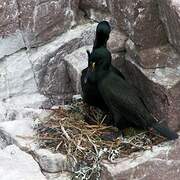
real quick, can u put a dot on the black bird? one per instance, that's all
(121, 98)
(90, 92)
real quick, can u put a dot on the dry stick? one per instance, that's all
(79, 142)
(133, 144)
(84, 114)
(25, 137)
(95, 148)
(103, 119)
(65, 133)
(91, 140)
(57, 147)
(48, 138)
(69, 139)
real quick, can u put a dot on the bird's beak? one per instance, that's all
(93, 66)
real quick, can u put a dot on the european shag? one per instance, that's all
(90, 92)
(121, 98)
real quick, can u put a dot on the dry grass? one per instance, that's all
(67, 132)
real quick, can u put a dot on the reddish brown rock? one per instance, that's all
(11, 38)
(56, 74)
(116, 42)
(30, 23)
(43, 20)
(95, 9)
(122, 11)
(140, 20)
(160, 163)
(158, 86)
(160, 56)
(93, 4)
(9, 22)
(116, 45)
(170, 15)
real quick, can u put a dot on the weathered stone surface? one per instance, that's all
(9, 21)
(32, 23)
(51, 162)
(160, 56)
(95, 10)
(11, 38)
(116, 42)
(26, 74)
(117, 8)
(5, 139)
(96, 4)
(18, 165)
(42, 20)
(116, 45)
(170, 15)
(17, 77)
(160, 89)
(155, 72)
(76, 62)
(140, 20)
(20, 129)
(43, 70)
(59, 176)
(50, 68)
(156, 164)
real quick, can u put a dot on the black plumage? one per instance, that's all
(121, 98)
(105, 87)
(90, 92)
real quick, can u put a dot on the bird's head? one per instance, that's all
(102, 33)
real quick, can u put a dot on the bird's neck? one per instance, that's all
(99, 43)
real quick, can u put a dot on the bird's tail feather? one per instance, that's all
(165, 131)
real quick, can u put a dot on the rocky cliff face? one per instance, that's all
(33, 23)
(43, 50)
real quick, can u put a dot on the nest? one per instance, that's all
(66, 131)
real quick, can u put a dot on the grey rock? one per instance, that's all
(16, 76)
(155, 73)
(18, 165)
(116, 42)
(11, 39)
(89, 4)
(116, 13)
(51, 162)
(20, 131)
(170, 15)
(52, 70)
(40, 21)
(32, 23)
(140, 20)
(76, 62)
(160, 163)
(43, 70)
(9, 22)
(11, 43)
(159, 88)
(159, 56)
(77, 98)
(5, 139)
(95, 10)
(59, 176)
(116, 45)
